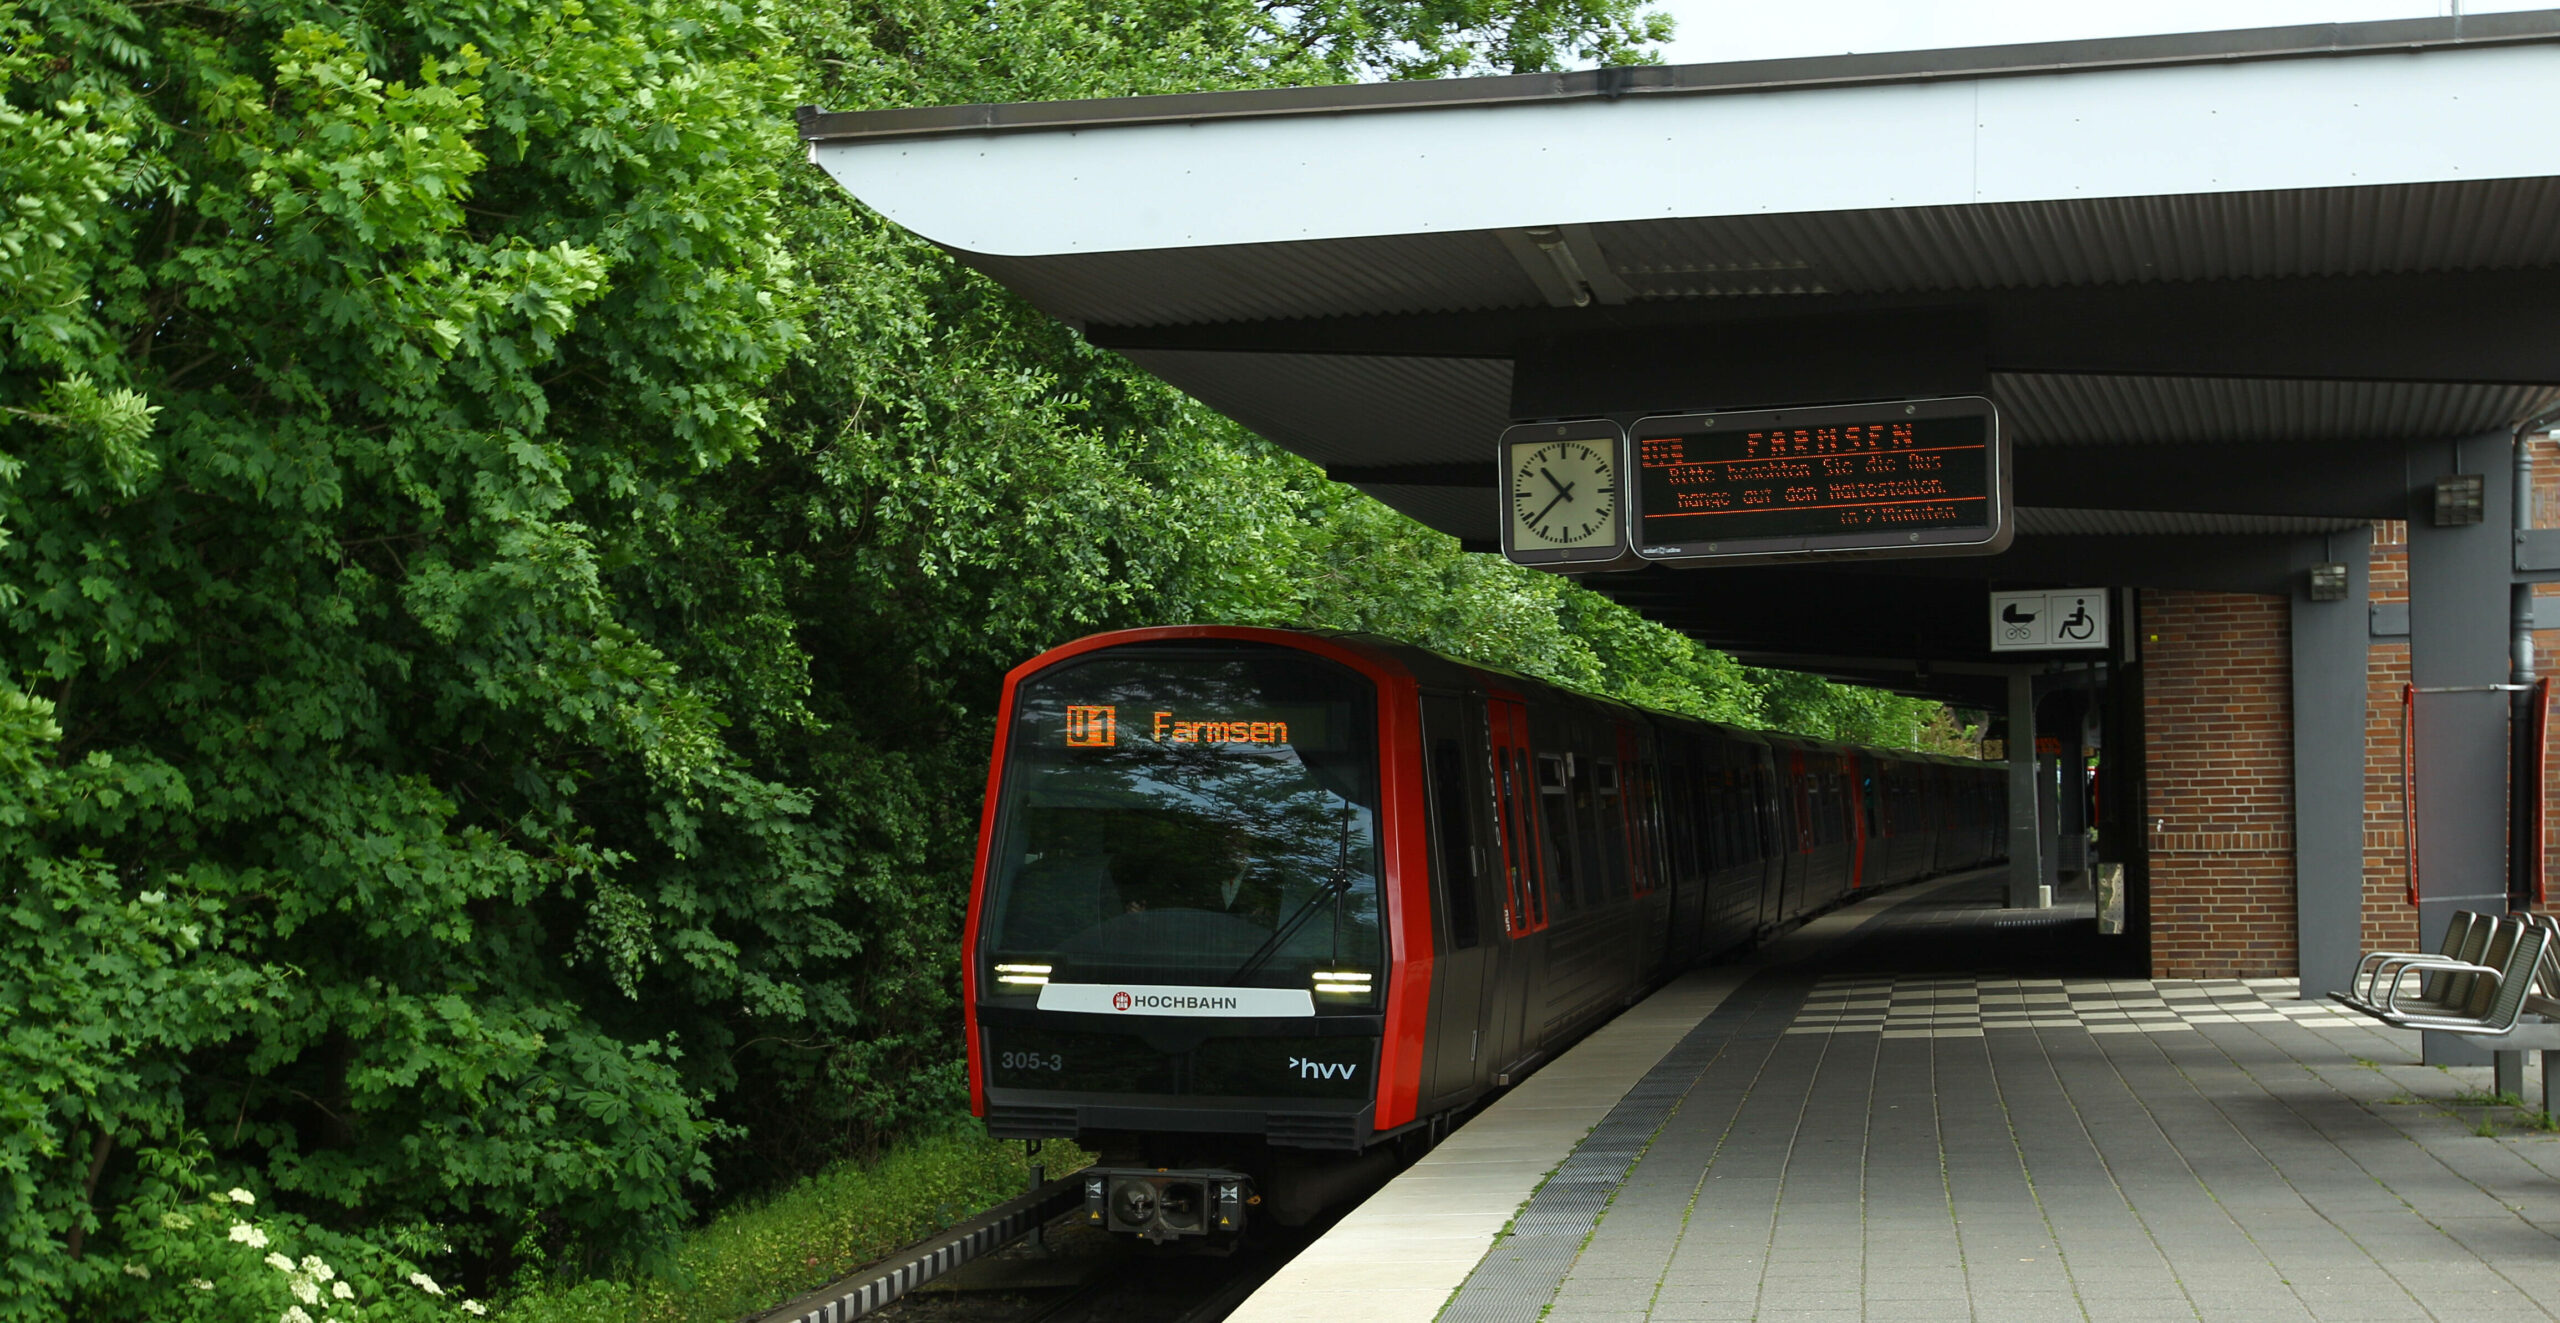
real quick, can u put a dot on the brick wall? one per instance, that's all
(2217, 687)
(2220, 777)
(2389, 922)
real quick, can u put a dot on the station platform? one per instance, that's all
(1928, 1107)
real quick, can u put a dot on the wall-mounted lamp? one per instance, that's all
(2459, 500)
(2329, 582)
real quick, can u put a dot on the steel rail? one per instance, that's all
(871, 1288)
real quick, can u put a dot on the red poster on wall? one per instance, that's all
(2409, 787)
(2532, 833)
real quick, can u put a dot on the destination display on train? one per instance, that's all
(1119, 725)
(1907, 478)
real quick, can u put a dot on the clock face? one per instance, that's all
(1564, 494)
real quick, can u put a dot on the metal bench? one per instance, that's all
(2504, 997)
(2379, 988)
(2486, 998)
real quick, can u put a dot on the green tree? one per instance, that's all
(351, 355)
(503, 577)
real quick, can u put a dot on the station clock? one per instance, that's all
(1563, 495)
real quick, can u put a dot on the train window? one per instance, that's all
(1737, 820)
(1603, 842)
(1195, 815)
(1555, 820)
(1682, 825)
(1804, 799)
(1721, 837)
(1645, 820)
(1524, 905)
(1533, 889)
(1763, 830)
(1515, 845)
(1604, 776)
(1457, 843)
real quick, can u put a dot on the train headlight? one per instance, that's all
(1341, 983)
(1024, 975)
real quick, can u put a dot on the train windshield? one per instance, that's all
(1195, 815)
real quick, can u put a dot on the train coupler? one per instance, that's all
(1160, 1204)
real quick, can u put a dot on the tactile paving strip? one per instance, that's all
(1959, 1006)
(1522, 1272)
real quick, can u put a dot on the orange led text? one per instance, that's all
(1170, 731)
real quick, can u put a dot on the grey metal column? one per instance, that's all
(2049, 817)
(2071, 791)
(2026, 868)
(2330, 643)
(2458, 608)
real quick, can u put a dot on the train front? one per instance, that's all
(1178, 939)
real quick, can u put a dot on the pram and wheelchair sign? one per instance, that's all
(2046, 619)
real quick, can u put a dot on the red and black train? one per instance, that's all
(1253, 906)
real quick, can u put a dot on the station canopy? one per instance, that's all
(2218, 284)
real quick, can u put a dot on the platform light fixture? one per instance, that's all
(2329, 582)
(2460, 499)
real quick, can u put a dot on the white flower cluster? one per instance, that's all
(304, 1280)
(248, 1235)
(428, 1284)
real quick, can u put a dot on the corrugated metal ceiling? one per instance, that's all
(2042, 521)
(1468, 272)
(1342, 409)
(2484, 225)
(2056, 410)
(2504, 224)
(1347, 409)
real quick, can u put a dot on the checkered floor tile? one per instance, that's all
(1959, 1007)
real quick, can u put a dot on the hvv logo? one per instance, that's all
(1322, 1070)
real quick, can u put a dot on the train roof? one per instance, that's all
(1423, 662)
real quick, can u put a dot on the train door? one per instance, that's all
(1640, 827)
(1776, 827)
(1524, 893)
(1859, 778)
(1455, 763)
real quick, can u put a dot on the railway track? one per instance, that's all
(1086, 1277)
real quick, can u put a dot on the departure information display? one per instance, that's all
(1909, 478)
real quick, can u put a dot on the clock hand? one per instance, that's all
(1563, 489)
(1541, 516)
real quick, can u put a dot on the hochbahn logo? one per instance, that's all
(1171, 1001)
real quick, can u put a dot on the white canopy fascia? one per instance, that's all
(2420, 114)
